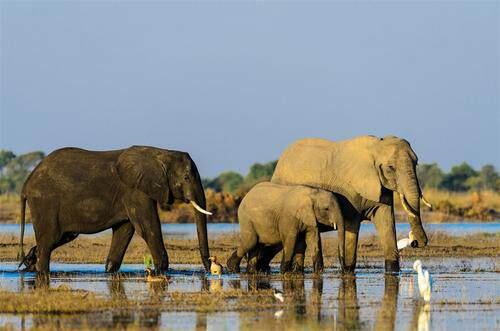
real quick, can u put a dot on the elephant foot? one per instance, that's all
(348, 269)
(391, 266)
(233, 263)
(112, 267)
(297, 268)
(29, 261)
(286, 267)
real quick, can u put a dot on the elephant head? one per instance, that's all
(395, 163)
(326, 208)
(165, 176)
(358, 168)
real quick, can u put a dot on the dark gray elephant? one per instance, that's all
(365, 171)
(276, 215)
(75, 191)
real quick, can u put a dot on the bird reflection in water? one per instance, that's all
(421, 319)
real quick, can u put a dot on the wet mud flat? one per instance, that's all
(466, 296)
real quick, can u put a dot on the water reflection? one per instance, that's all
(347, 317)
(329, 301)
(421, 316)
(386, 315)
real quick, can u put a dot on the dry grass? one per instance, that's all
(61, 300)
(64, 300)
(94, 249)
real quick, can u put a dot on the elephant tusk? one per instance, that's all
(198, 208)
(426, 202)
(405, 205)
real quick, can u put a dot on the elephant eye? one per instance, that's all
(392, 168)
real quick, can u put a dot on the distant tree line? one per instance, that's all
(234, 183)
(14, 170)
(461, 178)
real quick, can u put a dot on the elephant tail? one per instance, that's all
(20, 254)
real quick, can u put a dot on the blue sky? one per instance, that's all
(233, 84)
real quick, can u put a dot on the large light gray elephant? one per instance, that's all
(365, 171)
(276, 216)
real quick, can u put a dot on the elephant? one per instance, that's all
(364, 171)
(75, 191)
(276, 215)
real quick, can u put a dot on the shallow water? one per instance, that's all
(465, 296)
(188, 230)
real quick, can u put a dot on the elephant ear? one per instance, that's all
(141, 168)
(360, 171)
(305, 212)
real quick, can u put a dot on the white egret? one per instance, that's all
(424, 281)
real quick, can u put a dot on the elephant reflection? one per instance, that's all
(123, 318)
(348, 311)
(386, 315)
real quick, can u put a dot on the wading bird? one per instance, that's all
(405, 242)
(424, 281)
(215, 268)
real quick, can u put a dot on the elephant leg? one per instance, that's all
(30, 259)
(252, 257)
(144, 218)
(233, 263)
(122, 235)
(348, 261)
(313, 240)
(299, 254)
(288, 249)
(266, 254)
(383, 218)
(248, 242)
(47, 235)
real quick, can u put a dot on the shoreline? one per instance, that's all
(185, 251)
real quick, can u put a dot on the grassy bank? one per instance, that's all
(447, 206)
(95, 249)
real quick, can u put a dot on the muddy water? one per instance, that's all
(465, 296)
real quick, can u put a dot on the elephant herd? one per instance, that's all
(318, 185)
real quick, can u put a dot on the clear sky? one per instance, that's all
(233, 84)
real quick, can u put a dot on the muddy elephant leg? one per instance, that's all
(383, 218)
(289, 242)
(47, 235)
(30, 259)
(248, 243)
(266, 254)
(143, 215)
(252, 258)
(348, 261)
(299, 254)
(122, 235)
(313, 242)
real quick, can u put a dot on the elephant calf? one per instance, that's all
(276, 215)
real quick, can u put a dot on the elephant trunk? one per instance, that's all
(198, 200)
(410, 196)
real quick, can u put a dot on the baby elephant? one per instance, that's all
(275, 215)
